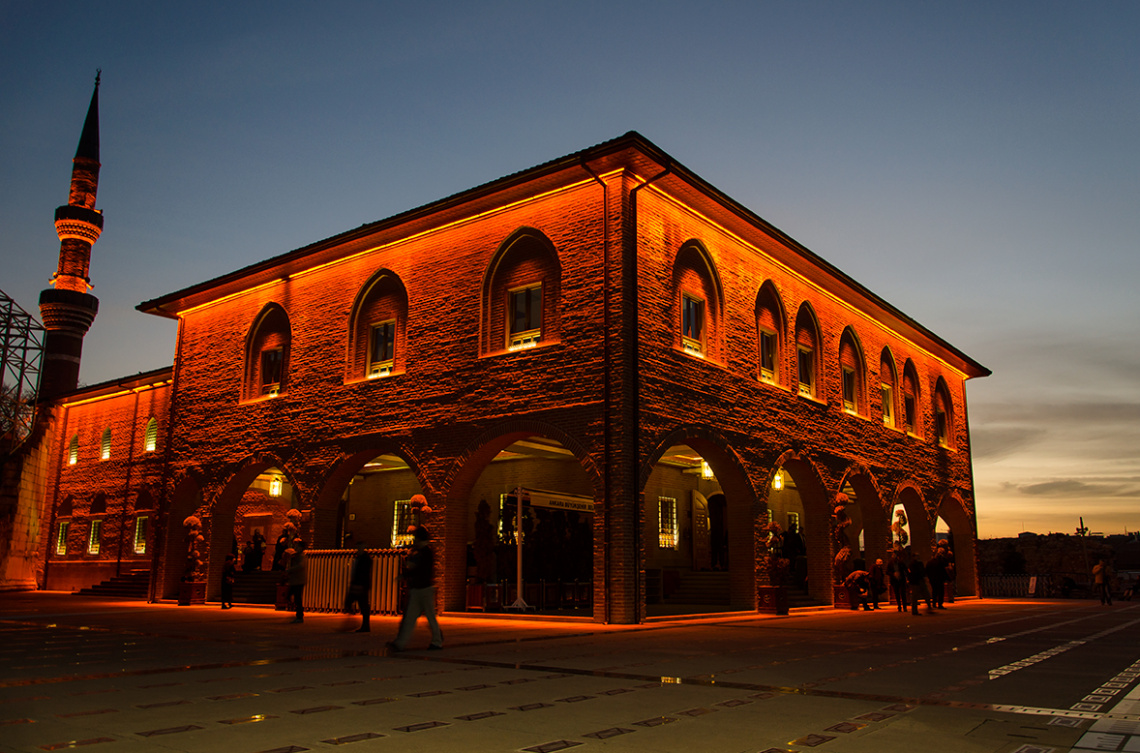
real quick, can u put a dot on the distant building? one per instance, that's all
(655, 369)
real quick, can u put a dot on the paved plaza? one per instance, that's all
(984, 675)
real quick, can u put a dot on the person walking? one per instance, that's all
(359, 584)
(896, 573)
(878, 582)
(936, 576)
(295, 576)
(919, 586)
(229, 575)
(1102, 579)
(419, 574)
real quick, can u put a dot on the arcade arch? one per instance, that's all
(798, 502)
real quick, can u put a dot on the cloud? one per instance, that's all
(992, 443)
(1072, 488)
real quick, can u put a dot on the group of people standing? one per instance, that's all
(911, 580)
(418, 576)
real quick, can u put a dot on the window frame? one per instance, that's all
(105, 445)
(769, 351)
(805, 364)
(530, 336)
(910, 414)
(94, 531)
(667, 523)
(73, 450)
(141, 526)
(887, 395)
(401, 519)
(61, 538)
(849, 390)
(693, 317)
(150, 435)
(381, 367)
(268, 387)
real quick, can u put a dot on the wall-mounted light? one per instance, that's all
(706, 469)
(778, 481)
(275, 486)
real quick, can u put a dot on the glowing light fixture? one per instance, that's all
(778, 481)
(275, 486)
(706, 469)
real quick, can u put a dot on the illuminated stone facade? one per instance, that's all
(607, 327)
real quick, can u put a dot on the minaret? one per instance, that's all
(67, 309)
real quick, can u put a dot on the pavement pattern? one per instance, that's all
(993, 676)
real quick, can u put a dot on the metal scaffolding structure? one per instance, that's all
(21, 353)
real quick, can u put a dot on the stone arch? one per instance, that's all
(963, 529)
(460, 482)
(853, 372)
(744, 510)
(874, 519)
(910, 496)
(699, 300)
(809, 343)
(816, 526)
(267, 346)
(525, 262)
(377, 328)
(771, 334)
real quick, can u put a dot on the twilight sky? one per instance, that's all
(977, 164)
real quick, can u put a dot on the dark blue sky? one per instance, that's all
(976, 164)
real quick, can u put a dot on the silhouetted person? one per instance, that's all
(229, 575)
(919, 586)
(295, 574)
(1102, 580)
(419, 573)
(359, 584)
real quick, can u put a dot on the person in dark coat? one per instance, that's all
(877, 577)
(897, 574)
(359, 584)
(936, 574)
(419, 573)
(295, 576)
(229, 575)
(919, 586)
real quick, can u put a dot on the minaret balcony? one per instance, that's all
(78, 223)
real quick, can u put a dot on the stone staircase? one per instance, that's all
(130, 585)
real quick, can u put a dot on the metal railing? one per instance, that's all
(328, 570)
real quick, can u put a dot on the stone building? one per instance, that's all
(656, 371)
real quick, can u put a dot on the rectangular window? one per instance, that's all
(105, 446)
(401, 520)
(61, 538)
(767, 357)
(794, 521)
(666, 523)
(888, 405)
(806, 371)
(942, 427)
(382, 349)
(525, 317)
(73, 451)
(848, 389)
(150, 438)
(692, 325)
(909, 411)
(93, 537)
(271, 362)
(140, 534)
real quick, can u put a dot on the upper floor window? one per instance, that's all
(910, 396)
(887, 392)
(887, 383)
(849, 397)
(140, 534)
(73, 450)
(692, 324)
(851, 368)
(382, 349)
(267, 353)
(769, 326)
(105, 445)
(943, 414)
(807, 345)
(150, 436)
(521, 291)
(525, 307)
(805, 363)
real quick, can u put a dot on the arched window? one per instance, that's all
(807, 349)
(699, 301)
(267, 353)
(95, 525)
(911, 396)
(73, 450)
(852, 372)
(769, 333)
(521, 294)
(887, 392)
(378, 328)
(150, 436)
(943, 414)
(105, 445)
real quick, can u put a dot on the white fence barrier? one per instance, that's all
(328, 570)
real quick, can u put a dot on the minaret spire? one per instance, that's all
(68, 309)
